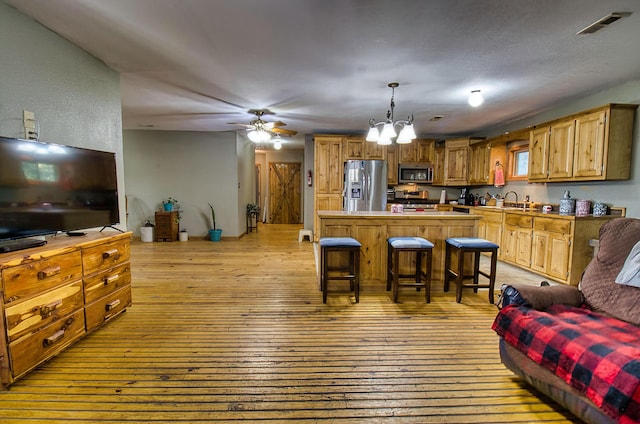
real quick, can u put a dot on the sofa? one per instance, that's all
(581, 345)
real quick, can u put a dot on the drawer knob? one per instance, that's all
(109, 306)
(49, 272)
(113, 253)
(110, 279)
(47, 310)
(53, 338)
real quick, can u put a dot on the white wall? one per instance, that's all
(196, 168)
(75, 97)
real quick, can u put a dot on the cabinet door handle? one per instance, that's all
(47, 310)
(48, 272)
(110, 279)
(53, 338)
(110, 253)
(109, 306)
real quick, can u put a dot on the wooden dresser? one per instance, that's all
(166, 226)
(55, 294)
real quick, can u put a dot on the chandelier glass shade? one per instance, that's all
(388, 132)
(258, 135)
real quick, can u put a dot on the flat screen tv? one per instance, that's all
(47, 188)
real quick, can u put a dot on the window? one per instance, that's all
(518, 162)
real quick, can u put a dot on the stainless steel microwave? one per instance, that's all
(415, 173)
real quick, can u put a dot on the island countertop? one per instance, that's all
(372, 229)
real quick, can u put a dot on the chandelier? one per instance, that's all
(388, 131)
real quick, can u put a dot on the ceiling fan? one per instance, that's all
(260, 130)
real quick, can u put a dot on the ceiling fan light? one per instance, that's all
(388, 131)
(253, 136)
(384, 141)
(373, 134)
(407, 134)
(475, 98)
(277, 145)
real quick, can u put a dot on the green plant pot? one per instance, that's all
(214, 235)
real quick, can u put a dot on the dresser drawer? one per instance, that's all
(105, 256)
(108, 307)
(28, 352)
(26, 280)
(100, 285)
(24, 318)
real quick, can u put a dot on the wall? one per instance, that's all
(614, 193)
(75, 97)
(195, 168)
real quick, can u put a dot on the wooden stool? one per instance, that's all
(459, 246)
(352, 269)
(422, 248)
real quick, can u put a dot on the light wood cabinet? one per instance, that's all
(516, 239)
(592, 145)
(374, 151)
(550, 252)
(54, 294)
(353, 148)
(438, 164)
(457, 161)
(392, 165)
(329, 179)
(479, 166)
(419, 150)
(490, 226)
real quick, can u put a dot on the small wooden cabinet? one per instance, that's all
(53, 295)
(392, 165)
(329, 175)
(166, 226)
(419, 150)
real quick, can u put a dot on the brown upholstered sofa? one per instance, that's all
(581, 346)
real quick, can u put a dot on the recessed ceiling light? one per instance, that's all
(602, 23)
(436, 118)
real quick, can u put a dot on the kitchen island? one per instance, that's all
(372, 229)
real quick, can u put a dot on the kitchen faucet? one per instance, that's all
(509, 192)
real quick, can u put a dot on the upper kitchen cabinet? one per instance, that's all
(479, 167)
(355, 147)
(438, 163)
(457, 160)
(392, 165)
(328, 164)
(593, 145)
(419, 150)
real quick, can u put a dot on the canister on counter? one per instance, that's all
(600, 209)
(567, 204)
(583, 207)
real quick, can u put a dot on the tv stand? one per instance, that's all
(19, 244)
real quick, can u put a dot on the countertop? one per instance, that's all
(614, 211)
(428, 214)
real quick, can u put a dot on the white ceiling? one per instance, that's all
(324, 65)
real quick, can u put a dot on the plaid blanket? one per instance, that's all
(596, 354)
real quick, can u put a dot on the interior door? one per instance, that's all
(284, 193)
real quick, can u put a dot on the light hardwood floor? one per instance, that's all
(236, 331)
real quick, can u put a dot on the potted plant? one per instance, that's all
(146, 231)
(170, 204)
(214, 233)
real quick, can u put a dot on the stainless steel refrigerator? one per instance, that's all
(365, 185)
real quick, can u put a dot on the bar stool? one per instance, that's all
(459, 246)
(422, 248)
(352, 269)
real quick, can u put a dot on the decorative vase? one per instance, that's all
(214, 235)
(168, 207)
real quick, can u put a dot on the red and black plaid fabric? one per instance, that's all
(596, 354)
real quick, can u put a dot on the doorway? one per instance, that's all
(284, 193)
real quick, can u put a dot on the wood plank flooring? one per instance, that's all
(235, 331)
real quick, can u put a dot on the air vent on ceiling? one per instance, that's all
(602, 23)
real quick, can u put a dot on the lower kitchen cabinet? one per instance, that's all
(55, 294)
(490, 226)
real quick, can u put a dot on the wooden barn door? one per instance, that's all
(284, 193)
